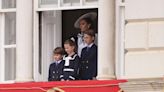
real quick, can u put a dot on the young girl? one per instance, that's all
(71, 66)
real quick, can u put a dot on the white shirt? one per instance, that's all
(81, 44)
(90, 45)
(57, 62)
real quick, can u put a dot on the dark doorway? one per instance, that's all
(68, 19)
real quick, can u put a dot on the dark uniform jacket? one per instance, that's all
(55, 71)
(71, 67)
(88, 68)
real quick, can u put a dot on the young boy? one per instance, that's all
(56, 68)
(88, 70)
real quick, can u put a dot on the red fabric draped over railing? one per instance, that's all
(65, 86)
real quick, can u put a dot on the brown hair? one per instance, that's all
(90, 32)
(58, 50)
(89, 21)
(71, 43)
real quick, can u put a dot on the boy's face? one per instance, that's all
(88, 39)
(57, 57)
(69, 49)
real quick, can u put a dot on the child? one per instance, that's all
(88, 70)
(56, 68)
(71, 66)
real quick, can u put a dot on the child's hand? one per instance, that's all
(62, 80)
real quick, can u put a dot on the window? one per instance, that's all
(71, 2)
(7, 40)
(8, 4)
(10, 46)
(10, 28)
(91, 0)
(10, 61)
(66, 3)
(49, 2)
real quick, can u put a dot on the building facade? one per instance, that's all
(130, 37)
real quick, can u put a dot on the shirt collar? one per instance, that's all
(79, 35)
(90, 45)
(57, 61)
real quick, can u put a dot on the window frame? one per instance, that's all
(6, 7)
(59, 6)
(2, 43)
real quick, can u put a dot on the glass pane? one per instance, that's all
(49, 1)
(10, 63)
(8, 3)
(10, 28)
(91, 0)
(71, 2)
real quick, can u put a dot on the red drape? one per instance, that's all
(66, 86)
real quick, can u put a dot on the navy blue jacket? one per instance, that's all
(88, 68)
(55, 71)
(71, 70)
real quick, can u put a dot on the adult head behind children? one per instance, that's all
(85, 22)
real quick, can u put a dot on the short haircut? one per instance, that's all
(59, 50)
(90, 32)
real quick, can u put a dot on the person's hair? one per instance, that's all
(89, 21)
(71, 43)
(90, 32)
(59, 50)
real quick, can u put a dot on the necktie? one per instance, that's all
(88, 49)
(56, 63)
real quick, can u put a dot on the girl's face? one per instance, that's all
(69, 49)
(88, 39)
(57, 57)
(84, 25)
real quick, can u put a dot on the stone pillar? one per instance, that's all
(24, 64)
(106, 41)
